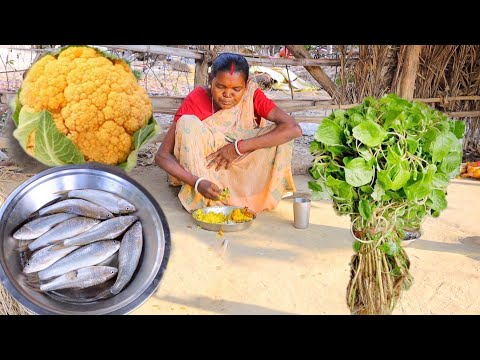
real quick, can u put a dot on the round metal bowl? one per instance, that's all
(226, 227)
(40, 190)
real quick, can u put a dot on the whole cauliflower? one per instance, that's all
(94, 101)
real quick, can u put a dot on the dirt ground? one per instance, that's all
(274, 268)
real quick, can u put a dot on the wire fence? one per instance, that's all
(161, 74)
(167, 75)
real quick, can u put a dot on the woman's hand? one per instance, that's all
(286, 129)
(222, 157)
(209, 190)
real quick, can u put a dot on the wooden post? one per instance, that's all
(201, 69)
(406, 83)
(316, 71)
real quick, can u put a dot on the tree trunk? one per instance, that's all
(406, 82)
(201, 69)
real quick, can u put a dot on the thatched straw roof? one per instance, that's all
(444, 71)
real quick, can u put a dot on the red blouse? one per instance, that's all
(198, 103)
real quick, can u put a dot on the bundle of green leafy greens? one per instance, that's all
(387, 164)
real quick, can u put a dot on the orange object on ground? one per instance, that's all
(472, 170)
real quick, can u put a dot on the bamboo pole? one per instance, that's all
(464, 114)
(5, 96)
(251, 59)
(170, 104)
(165, 104)
(318, 119)
(195, 54)
(158, 49)
(447, 99)
(316, 71)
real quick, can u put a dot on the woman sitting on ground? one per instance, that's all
(219, 140)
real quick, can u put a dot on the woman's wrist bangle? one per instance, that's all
(198, 182)
(236, 147)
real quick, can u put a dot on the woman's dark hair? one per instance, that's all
(228, 61)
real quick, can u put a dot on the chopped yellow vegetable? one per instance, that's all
(237, 216)
(210, 217)
(224, 195)
(240, 215)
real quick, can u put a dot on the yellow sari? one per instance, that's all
(257, 180)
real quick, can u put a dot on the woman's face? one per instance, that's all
(228, 89)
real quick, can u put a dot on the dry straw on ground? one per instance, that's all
(8, 305)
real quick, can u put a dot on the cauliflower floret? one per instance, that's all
(96, 102)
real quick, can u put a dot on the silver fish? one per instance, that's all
(113, 203)
(64, 230)
(89, 255)
(111, 261)
(35, 228)
(45, 257)
(81, 278)
(128, 256)
(79, 207)
(108, 229)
